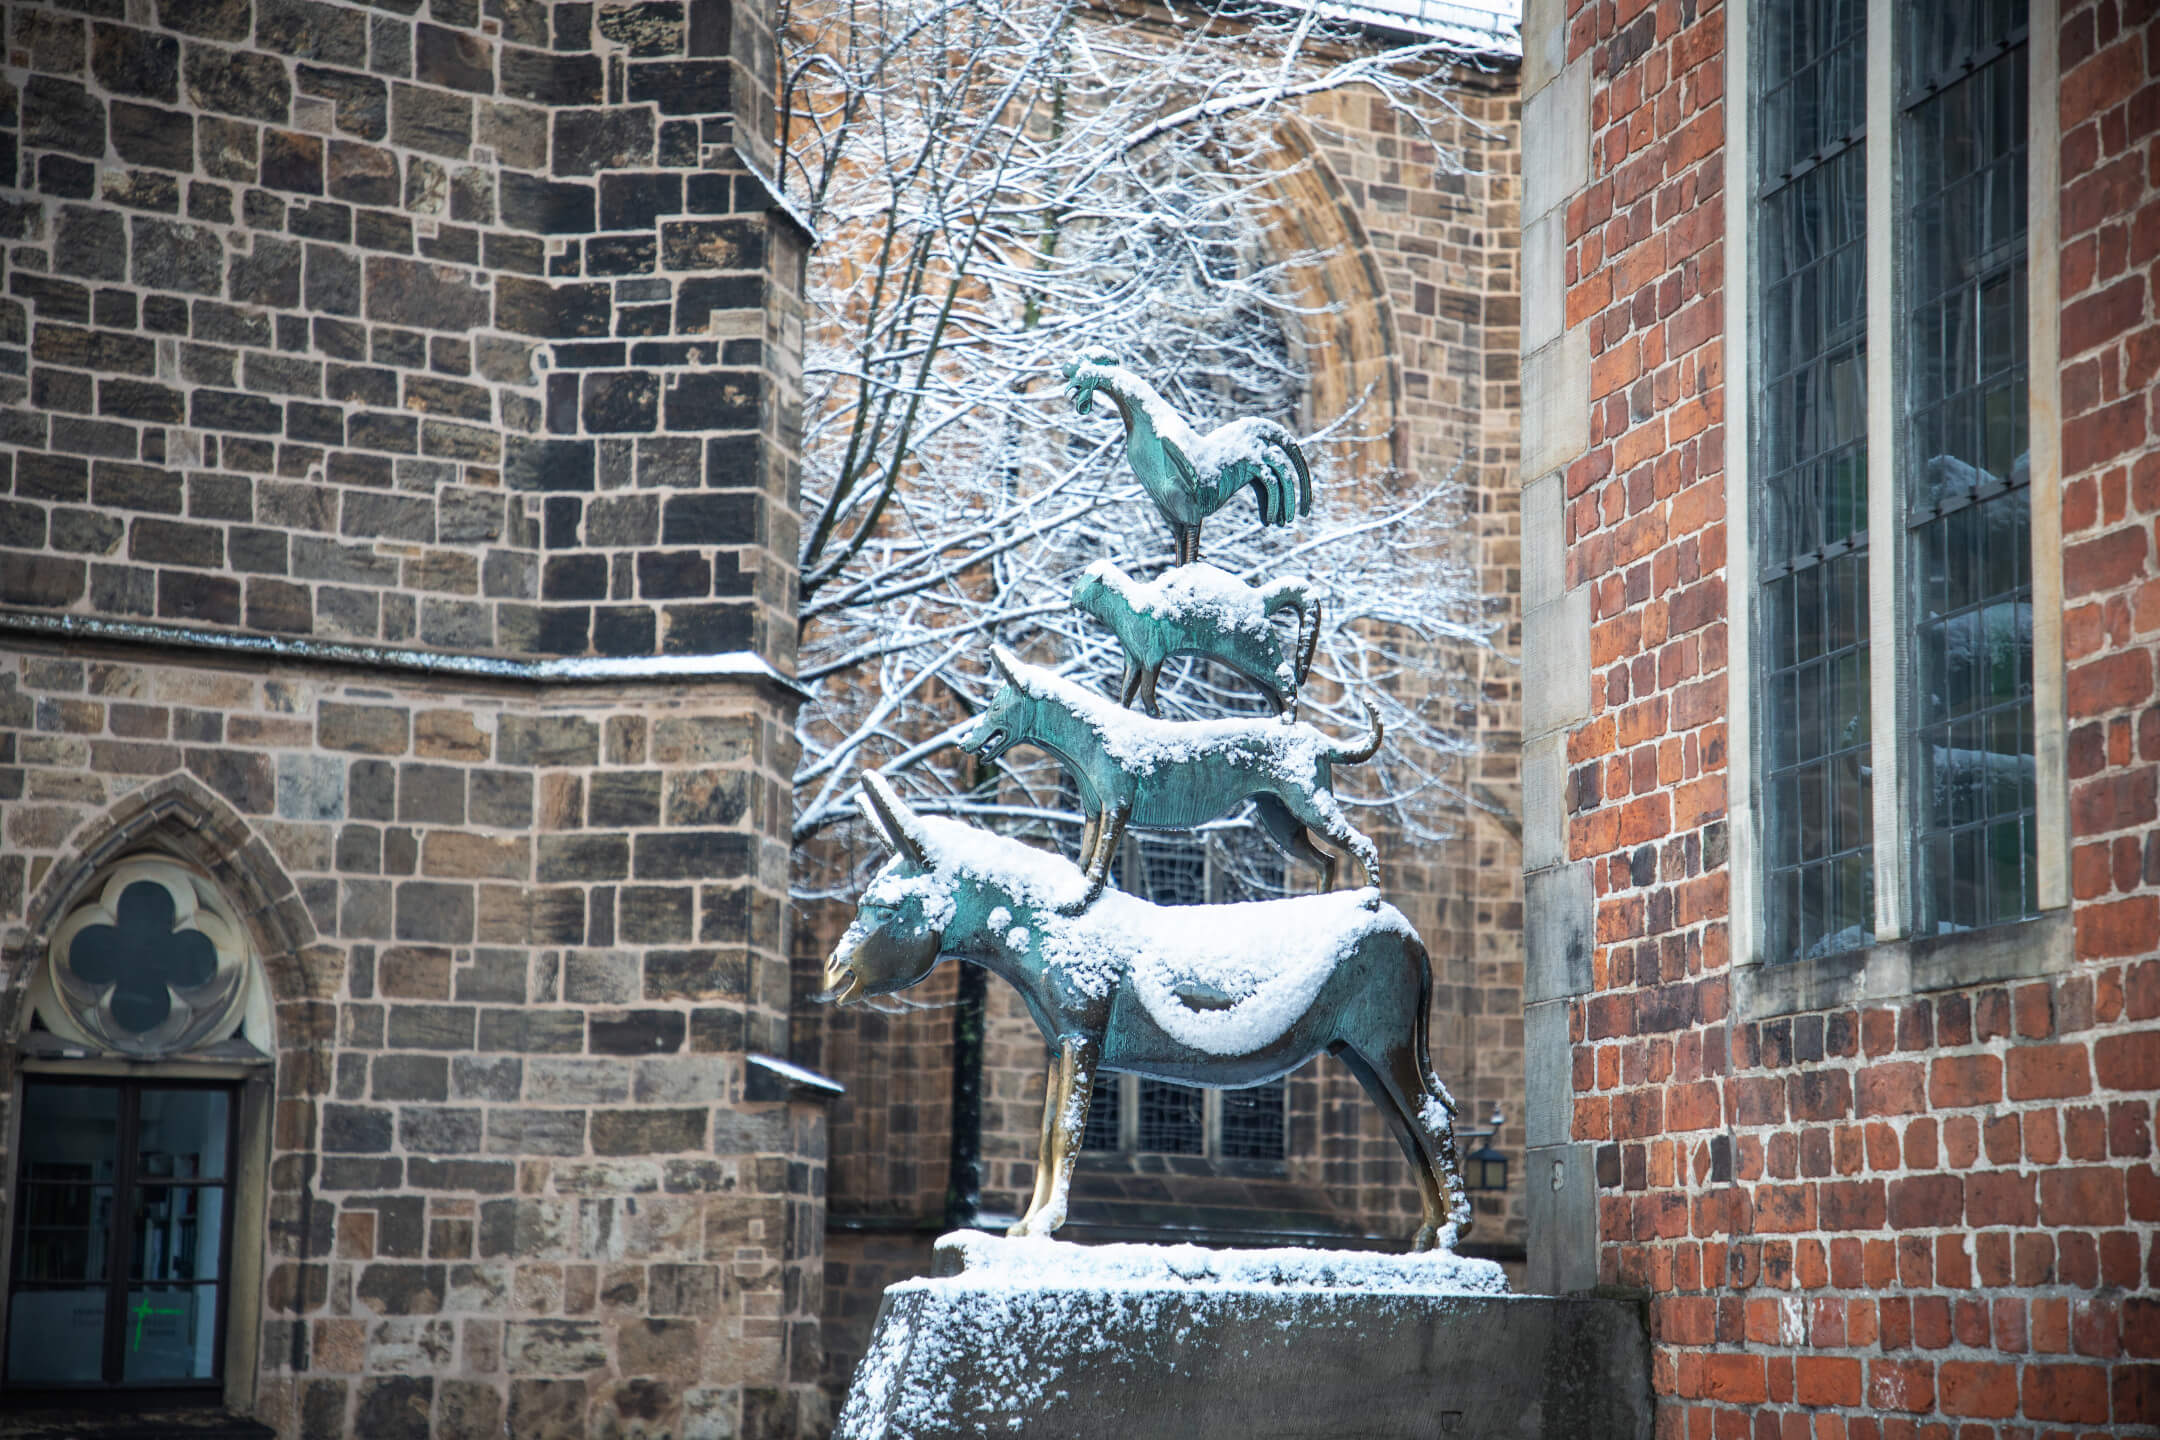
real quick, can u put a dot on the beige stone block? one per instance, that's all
(1544, 42)
(1556, 403)
(1556, 140)
(1544, 280)
(1544, 802)
(1544, 540)
(1556, 663)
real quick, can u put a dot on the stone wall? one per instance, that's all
(1920, 1198)
(361, 368)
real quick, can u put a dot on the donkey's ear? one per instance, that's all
(1006, 663)
(877, 822)
(891, 815)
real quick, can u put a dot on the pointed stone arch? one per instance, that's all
(177, 816)
(1347, 336)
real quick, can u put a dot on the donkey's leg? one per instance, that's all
(1293, 838)
(1375, 1076)
(1129, 682)
(1432, 1114)
(1042, 1150)
(1148, 677)
(1340, 832)
(1108, 835)
(1065, 1112)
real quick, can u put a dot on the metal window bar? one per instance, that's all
(1969, 703)
(1809, 457)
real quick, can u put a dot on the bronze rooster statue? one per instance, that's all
(1188, 475)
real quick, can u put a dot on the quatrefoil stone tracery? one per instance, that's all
(154, 964)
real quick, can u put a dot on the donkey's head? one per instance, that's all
(899, 925)
(1092, 367)
(1011, 716)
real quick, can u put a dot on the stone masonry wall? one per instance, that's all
(1920, 1214)
(453, 329)
(367, 324)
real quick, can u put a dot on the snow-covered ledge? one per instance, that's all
(1048, 1339)
(546, 670)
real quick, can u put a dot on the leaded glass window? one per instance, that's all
(1962, 105)
(1811, 480)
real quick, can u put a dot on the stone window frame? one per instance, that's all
(250, 1078)
(1897, 964)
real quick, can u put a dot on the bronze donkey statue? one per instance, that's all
(1200, 610)
(1133, 769)
(1219, 995)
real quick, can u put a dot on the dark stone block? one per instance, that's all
(634, 202)
(331, 34)
(358, 1173)
(430, 911)
(530, 307)
(355, 1130)
(171, 255)
(691, 856)
(484, 1177)
(362, 174)
(383, 230)
(684, 87)
(708, 629)
(589, 141)
(457, 59)
(44, 580)
(233, 410)
(362, 102)
(574, 577)
(698, 297)
(545, 206)
(60, 390)
(51, 477)
(624, 630)
(292, 161)
(726, 518)
(648, 1132)
(238, 82)
(712, 27)
(280, 606)
(429, 296)
(621, 401)
(314, 424)
(321, 220)
(141, 400)
(674, 575)
(65, 178)
(549, 79)
(431, 120)
(127, 61)
(517, 254)
(61, 299)
(333, 286)
(547, 464)
(90, 243)
(646, 29)
(431, 1130)
(679, 144)
(735, 461)
(625, 255)
(242, 777)
(83, 532)
(713, 244)
(398, 434)
(696, 975)
(146, 135)
(432, 396)
(269, 275)
(392, 1289)
(120, 486)
(210, 19)
(533, 1032)
(61, 115)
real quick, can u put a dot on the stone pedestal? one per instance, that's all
(1197, 1349)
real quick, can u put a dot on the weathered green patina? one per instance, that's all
(1200, 610)
(1188, 475)
(1225, 995)
(1173, 775)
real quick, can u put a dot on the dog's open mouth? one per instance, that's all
(989, 745)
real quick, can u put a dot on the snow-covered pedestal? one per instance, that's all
(1043, 1339)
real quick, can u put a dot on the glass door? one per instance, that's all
(122, 1227)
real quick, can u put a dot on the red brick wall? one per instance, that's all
(1931, 1216)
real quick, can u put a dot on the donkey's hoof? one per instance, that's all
(1372, 897)
(1428, 1238)
(1072, 908)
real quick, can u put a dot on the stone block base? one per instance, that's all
(1197, 1350)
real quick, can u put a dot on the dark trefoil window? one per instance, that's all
(122, 1227)
(1810, 463)
(1962, 106)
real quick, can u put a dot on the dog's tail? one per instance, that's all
(1347, 755)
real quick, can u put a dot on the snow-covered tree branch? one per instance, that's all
(998, 184)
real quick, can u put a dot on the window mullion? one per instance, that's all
(119, 1259)
(1887, 603)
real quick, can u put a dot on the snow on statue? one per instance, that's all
(1221, 995)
